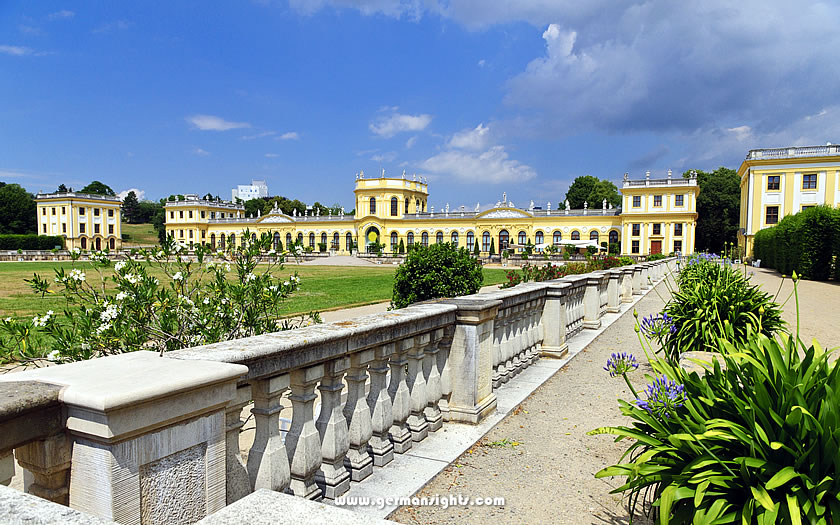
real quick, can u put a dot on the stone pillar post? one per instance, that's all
(516, 341)
(614, 291)
(48, 460)
(433, 386)
(400, 398)
(498, 352)
(357, 413)
(236, 475)
(333, 478)
(506, 372)
(268, 461)
(445, 372)
(645, 276)
(303, 444)
(379, 403)
(592, 302)
(471, 360)
(417, 387)
(637, 279)
(627, 285)
(554, 321)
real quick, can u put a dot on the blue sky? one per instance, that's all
(479, 96)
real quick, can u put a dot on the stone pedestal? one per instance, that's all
(614, 291)
(637, 279)
(627, 285)
(471, 360)
(592, 303)
(147, 435)
(555, 321)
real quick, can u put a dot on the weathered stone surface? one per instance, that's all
(17, 508)
(28, 410)
(265, 507)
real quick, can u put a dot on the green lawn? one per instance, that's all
(322, 287)
(140, 235)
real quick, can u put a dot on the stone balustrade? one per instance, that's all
(139, 438)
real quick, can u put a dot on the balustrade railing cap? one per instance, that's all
(29, 410)
(474, 310)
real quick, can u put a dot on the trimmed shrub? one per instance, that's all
(30, 242)
(440, 270)
(808, 243)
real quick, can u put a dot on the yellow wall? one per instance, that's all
(61, 214)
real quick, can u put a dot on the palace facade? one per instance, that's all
(87, 222)
(784, 181)
(656, 216)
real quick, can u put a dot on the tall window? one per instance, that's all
(635, 247)
(557, 238)
(439, 237)
(312, 240)
(190, 213)
(424, 239)
(336, 240)
(657, 200)
(348, 241)
(222, 241)
(110, 229)
(180, 213)
(231, 240)
(809, 181)
(81, 228)
(522, 238)
(276, 241)
(773, 182)
(409, 238)
(406, 205)
(300, 239)
(394, 241)
(393, 206)
(657, 229)
(593, 236)
(613, 237)
(454, 239)
(470, 240)
(678, 229)
(504, 240)
(372, 205)
(575, 235)
(679, 200)
(637, 201)
(324, 238)
(771, 215)
(677, 246)
(538, 238)
(637, 228)
(288, 241)
(485, 242)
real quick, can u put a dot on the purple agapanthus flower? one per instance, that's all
(620, 364)
(663, 397)
(658, 327)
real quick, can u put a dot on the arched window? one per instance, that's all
(593, 236)
(409, 238)
(558, 238)
(232, 241)
(393, 206)
(98, 243)
(253, 238)
(348, 241)
(424, 239)
(575, 235)
(538, 238)
(243, 241)
(523, 238)
(485, 242)
(613, 237)
(454, 238)
(277, 247)
(439, 237)
(213, 240)
(288, 241)
(324, 238)
(394, 241)
(300, 239)
(417, 206)
(112, 243)
(373, 205)
(84, 243)
(335, 241)
(222, 241)
(470, 240)
(504, 240)
(406, 205)
(311, 240)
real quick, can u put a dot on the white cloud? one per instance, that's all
(213, 123)
(289, 135)
(139, 193)
(390, 125)
(259, 135)
(482, 63)
(476, 138)
(271, 155)
(389, 156)
(411, 142)
(200, 152)
(18, 51)
(492, 166)
(741, 132)
(58, 15)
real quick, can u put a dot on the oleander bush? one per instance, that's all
(12, 241)
(807, 243)
(714, 300)
(754, 439)
(439, 270)
(204, 298)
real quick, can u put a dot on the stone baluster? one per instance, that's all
(379, 403)
(433, 386)
(530, 332)
(614, 291)
(637, 279)
(539, 330)
(417, 387)
(303, 444)
(592, 302)
(48, 460)
(555, 319)
(627, 285)
(333, 478)
(471, 359)
(498, 351)
(357, 413)
(268, 461)
(445, 372)
(238, 485)
(7, 467)
(516, 342)
(400, 398)
(645, 276)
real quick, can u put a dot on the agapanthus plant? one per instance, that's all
(664, 396)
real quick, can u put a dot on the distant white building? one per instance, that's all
(255, 190)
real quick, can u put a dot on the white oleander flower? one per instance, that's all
(54, 356)
(122, 296)
(131, 278)
(177, 277)
(250, 277)
(8, 319)
(119, 266)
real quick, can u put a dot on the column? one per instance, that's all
(592, 302)
(627, 285)
(637, 279)
(614, 291)
(554, 321)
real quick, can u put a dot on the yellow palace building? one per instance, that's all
(87, 222)
(656, 216)
(784, 181)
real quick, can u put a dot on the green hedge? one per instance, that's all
(807, 243)
(30, 242)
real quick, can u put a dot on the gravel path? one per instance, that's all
(540, 458)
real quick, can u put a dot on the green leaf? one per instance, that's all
(781, 477)
(793, 509)
(762, 497)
